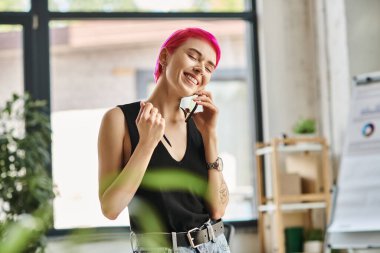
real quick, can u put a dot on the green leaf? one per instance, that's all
(305, 126)
(25, 184)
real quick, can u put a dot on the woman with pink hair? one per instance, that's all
(161, 161)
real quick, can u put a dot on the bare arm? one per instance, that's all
(118, 186)
(217, 191)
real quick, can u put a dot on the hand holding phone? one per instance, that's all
(191, 106)
(205, 121)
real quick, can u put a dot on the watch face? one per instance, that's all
(220, 164)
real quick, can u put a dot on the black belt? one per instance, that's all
(193, 237)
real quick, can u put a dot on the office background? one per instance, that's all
(282, 60)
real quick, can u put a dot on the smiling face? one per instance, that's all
(190, 66)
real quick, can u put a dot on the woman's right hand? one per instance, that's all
(150, 124)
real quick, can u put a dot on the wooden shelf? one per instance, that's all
(271, 200)
(310, 197)
(302, 147)
(293, 207)
(307, 197)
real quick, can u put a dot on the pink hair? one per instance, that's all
(179, 37)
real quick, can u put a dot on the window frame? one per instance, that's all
(23, 19)
(36, 48)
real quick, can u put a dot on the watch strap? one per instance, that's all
(217, 165)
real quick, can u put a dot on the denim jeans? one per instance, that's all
(219, 246)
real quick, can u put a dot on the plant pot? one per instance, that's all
(293, 239)
(313, 247)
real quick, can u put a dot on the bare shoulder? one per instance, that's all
(115, 132)
(112, 129)
(113, 116)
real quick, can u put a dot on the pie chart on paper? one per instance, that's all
(368, 129)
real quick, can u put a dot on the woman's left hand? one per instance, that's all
(206, 120)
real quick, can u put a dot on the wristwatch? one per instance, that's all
(217, 165)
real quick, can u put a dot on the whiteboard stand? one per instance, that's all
(355, 212)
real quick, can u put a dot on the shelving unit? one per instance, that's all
(278, 203)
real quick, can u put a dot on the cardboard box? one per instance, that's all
(294, 219)
(308, 166)
(290, 184)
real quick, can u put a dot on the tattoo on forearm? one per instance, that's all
(223, 192)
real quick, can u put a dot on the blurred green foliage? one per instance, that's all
(26, 189)
(314, 235)
(305, 126)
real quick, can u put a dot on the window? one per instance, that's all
(147, 6)
(11, 62)
(14, 5)
(99, 63)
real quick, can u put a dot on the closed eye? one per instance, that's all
(192, 57)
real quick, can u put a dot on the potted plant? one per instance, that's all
(26, 189)
(305, 127)
(313, 241)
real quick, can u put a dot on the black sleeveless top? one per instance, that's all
(171, 196)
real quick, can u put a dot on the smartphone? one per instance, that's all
(192, 107)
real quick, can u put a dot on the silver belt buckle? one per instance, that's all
(191, 239)
(133, 239)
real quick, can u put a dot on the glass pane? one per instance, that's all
(15, 5)
(11, 62)
(97, 65)
(149, 6)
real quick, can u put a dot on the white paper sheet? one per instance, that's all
(357, 206)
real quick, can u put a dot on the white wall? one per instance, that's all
(287, 56)
(309, 50)
(363, 30)
(333, 74)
